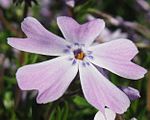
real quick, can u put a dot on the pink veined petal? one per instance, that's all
(50, 78)
(39, 40)
(100, 92)
(116, 56)
(83, 34)
(110, 115)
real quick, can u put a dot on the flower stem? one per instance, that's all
(119, 117)
(25, 10)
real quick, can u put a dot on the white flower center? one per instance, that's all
(78, 52)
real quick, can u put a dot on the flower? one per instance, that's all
(132, 93)
(109, 115)
(107, 35)
(70, 3)
(51, 78)
(5, 3)
(45, 8)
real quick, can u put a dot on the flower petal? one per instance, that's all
(110, 115)
(83, 34)
(132, 93)
(70, 3)
(100, 92)
(116, 56)
(133, 118)
(39, 39)
(50, 78)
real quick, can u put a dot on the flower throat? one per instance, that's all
(79, 54)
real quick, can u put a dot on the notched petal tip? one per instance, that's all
(26, 85)
(80, 33)
(49, 80)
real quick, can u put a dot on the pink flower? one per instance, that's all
(70, 3)
(108, 35)
(52, 78)
(131, 92)
(45, 8)
(109, 115)
(5, 3)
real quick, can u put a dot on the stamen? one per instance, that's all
(79, 54)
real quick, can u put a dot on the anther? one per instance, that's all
(79, 54)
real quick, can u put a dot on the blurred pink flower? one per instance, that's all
(133, 118)
(108, 35)
(45, 8)
(70, 3)
(52, 78)
(5, 3)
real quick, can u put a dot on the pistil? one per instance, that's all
(79, 54)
